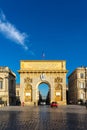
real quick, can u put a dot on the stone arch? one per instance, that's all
(40, 82)
(35, 72)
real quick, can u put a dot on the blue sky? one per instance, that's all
(29, 27)
(43, 88)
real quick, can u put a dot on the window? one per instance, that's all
(82, 75)
(17, 93)
(82, 85)
(82, 96)
(1, 86)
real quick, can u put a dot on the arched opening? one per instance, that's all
(43, 94)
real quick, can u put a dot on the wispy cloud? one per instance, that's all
(11, 32)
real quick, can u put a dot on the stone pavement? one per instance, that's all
(70, 117)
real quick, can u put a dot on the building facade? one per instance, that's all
(77, 83)
(33, 73)
(7, 86)
(17, 94)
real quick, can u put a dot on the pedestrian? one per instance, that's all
(23, 104)
(86, 104)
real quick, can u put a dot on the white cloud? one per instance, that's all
(11, 32)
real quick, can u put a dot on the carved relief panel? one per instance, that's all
(58, 92)
(28, 90)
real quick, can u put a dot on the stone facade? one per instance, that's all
(77, 83)
(17, 94)
(18, 90)
(7, 86)
(33, 73)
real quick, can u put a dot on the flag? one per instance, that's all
(43, 55)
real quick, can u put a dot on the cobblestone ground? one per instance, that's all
(69, 117)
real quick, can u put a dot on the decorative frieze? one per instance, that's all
(43, 65)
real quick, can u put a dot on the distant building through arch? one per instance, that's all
(34, 72)
(43, 93)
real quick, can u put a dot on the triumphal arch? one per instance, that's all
(34, 72)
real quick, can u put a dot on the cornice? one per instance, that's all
(42, 60)
(42, 71)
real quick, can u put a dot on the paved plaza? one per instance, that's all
(68, 117)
